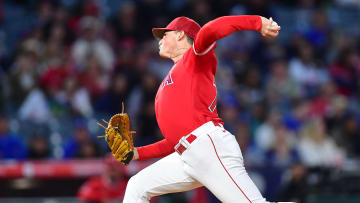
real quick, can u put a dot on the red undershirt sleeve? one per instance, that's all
(156, 150)
(222, 27)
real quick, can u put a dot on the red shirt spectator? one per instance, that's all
(105, 188)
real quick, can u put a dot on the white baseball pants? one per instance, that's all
(213, 160)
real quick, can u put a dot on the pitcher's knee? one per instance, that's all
(135, 191)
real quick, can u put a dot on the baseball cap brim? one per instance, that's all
(159, 32)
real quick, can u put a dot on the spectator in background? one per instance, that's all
(126, 64)
(94, 78)
(200, 11)
(257, 114)
(298, 114)
(265, 52)
(89, 44)
(304, 68)
(52, 55)
(338, 110)
(58, 29)
(11, 145)
(34, 43)
(316, 148)
(347, 135)
(345, 72)
(264, 136)
(106, 188)
(320, 106)
(44, 12)
(110, 101)
(318, 33)
(126, 23)
(230, 115)
(88, 150)
(52, 81)
(75, 98)
(253, 156)
(23, 77)
(148, 126)
(36, 108)
(295, 186)
(61, 17)
(282, 153)
(242, 133)
(38, 147)
(280, 88)
(141, 105)
(250, 91)
(80, 144)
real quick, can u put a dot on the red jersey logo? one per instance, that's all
(167, 81)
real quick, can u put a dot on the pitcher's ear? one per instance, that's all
(181, 34)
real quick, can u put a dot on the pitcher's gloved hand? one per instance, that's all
(119, 137)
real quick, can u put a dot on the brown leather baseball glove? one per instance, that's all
(119, 137)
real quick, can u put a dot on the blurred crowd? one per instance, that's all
(293, 101)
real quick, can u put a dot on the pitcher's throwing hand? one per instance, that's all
(269, 28)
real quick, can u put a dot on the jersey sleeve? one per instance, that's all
(156, 150)
(222, 27)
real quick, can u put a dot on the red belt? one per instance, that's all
(181, 148)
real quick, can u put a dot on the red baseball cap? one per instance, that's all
(189, 26)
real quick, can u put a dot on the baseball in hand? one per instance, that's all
(273, 23)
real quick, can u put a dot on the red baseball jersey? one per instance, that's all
(186, 98)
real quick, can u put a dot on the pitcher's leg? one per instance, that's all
(221, 168)
(162, 177)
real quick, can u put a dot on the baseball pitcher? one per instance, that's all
(196, 150)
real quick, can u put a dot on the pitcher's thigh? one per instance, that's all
(222, 171)
(162, 177)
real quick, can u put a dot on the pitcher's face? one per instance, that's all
(167, 45)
